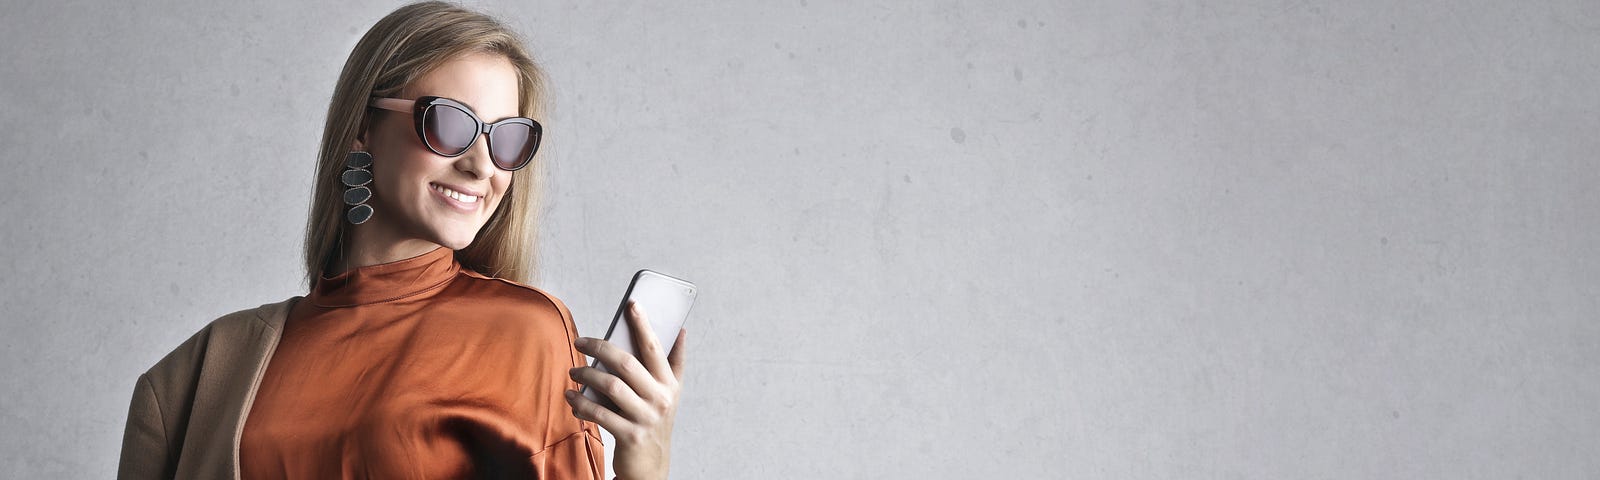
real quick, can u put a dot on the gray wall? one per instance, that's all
(1265, 239)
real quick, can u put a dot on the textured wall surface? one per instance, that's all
(1053, 239)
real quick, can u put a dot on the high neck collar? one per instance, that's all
(386, 281)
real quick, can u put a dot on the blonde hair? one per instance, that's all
(402, 47)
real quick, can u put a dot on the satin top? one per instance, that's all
(421, 369)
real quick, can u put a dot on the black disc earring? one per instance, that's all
(356, 176)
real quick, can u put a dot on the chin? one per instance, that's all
(455, 234)
(454, 243)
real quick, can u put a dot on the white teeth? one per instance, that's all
(456, 195)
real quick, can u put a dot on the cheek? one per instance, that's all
(397, 176)
(502, 184)
(388, 175)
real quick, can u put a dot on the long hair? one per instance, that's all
(402, 47)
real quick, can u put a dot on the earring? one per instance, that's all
(356, 176)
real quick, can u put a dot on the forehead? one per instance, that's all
(485, 82)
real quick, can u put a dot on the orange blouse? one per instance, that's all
(421, 369)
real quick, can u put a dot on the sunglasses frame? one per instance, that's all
(419, 108)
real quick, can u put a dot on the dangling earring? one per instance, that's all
(356, 176)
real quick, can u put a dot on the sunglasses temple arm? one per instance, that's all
(393, 104)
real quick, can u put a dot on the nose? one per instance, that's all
(477, 162)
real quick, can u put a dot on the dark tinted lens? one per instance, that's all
(512, 144)
(448, 129)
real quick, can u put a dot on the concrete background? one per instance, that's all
(1059, 239)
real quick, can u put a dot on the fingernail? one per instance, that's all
(573, 372)
(581, 342)
(570, 394)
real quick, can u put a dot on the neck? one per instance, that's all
(370, 245)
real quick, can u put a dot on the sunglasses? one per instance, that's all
(449, 128)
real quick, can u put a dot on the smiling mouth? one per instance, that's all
(458, 196)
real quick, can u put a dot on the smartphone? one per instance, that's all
(665, 300)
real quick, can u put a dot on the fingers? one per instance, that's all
(641, 382)
(586, 409)
(676, 357)
(646, 343)
(628, 401)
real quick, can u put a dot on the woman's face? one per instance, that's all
(410, 183)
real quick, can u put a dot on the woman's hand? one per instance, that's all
(645, 392)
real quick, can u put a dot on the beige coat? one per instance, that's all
(189, 409)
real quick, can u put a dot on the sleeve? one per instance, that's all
(578, 456)
(535, 333)
(145, 453)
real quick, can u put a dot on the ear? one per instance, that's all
(360, 141)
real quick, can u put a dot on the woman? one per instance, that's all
(417, 353)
